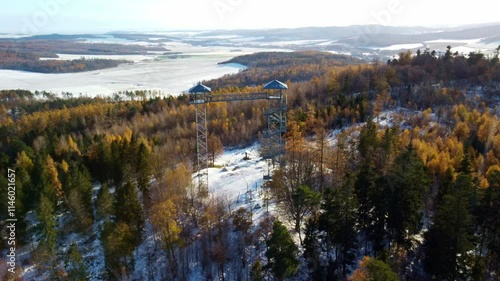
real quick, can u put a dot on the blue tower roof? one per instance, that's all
(275, 85)
(200, 88)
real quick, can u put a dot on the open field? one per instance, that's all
(171, 76)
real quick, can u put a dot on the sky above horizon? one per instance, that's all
(66, 16)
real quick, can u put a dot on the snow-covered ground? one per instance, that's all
(402, 47)
(134, 58)
(172, 76)
(462, 41)
(237, 182)
(341, 53)
(148, 72)
(240, 181)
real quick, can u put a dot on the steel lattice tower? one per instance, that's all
(273, 144)
(198, 98)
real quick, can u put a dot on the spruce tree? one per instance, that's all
(256, 273)
(338, 220)
(78, 195)
(282, 252)
(143, 168)
(118, 242)
(46, 216)
(407, 181)
(304, 202)
(372, 197)
(371, 269)
(489, 222)
(104, 203)
(312, 248)
(75, 266)
(368, 141)
(450, 238)
(118, 162)
(129, 211)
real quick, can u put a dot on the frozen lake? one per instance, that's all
(169, 75)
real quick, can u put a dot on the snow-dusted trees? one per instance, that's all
(292, 184)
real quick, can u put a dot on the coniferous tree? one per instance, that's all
(129, 211)
(118, 162)
(368, 142)
(305, 201)
(78, 195)
(39, 179)
(256, 273)
(311, 249)
(364, 188)
(450, 238)
(371, 186)
(371, 269)
(104, 203)
(488, 220)
(389, 148)
(75, 266)
(118, 242)
(282, 252)
(143, 169)
(338, 220)
(46, 216)
(321, 152)
(407, 182)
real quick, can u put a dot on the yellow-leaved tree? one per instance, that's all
(53, 176)
(164, 218)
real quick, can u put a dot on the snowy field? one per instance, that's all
(134, 58)
(402, 47)
(148, 72)
(239, 181)
(171, 76)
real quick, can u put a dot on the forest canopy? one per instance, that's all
(392, 172)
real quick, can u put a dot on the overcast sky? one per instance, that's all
(47, 16)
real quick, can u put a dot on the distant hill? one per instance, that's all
(368, 42)
(285, 66)
(60, 37)
(384, 39)
(349, 34)
(314, 33)
(273, 59)
(372, 42)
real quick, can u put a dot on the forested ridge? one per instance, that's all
(25, 54)
(31, 62)
(294, 66)
(392, 173)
